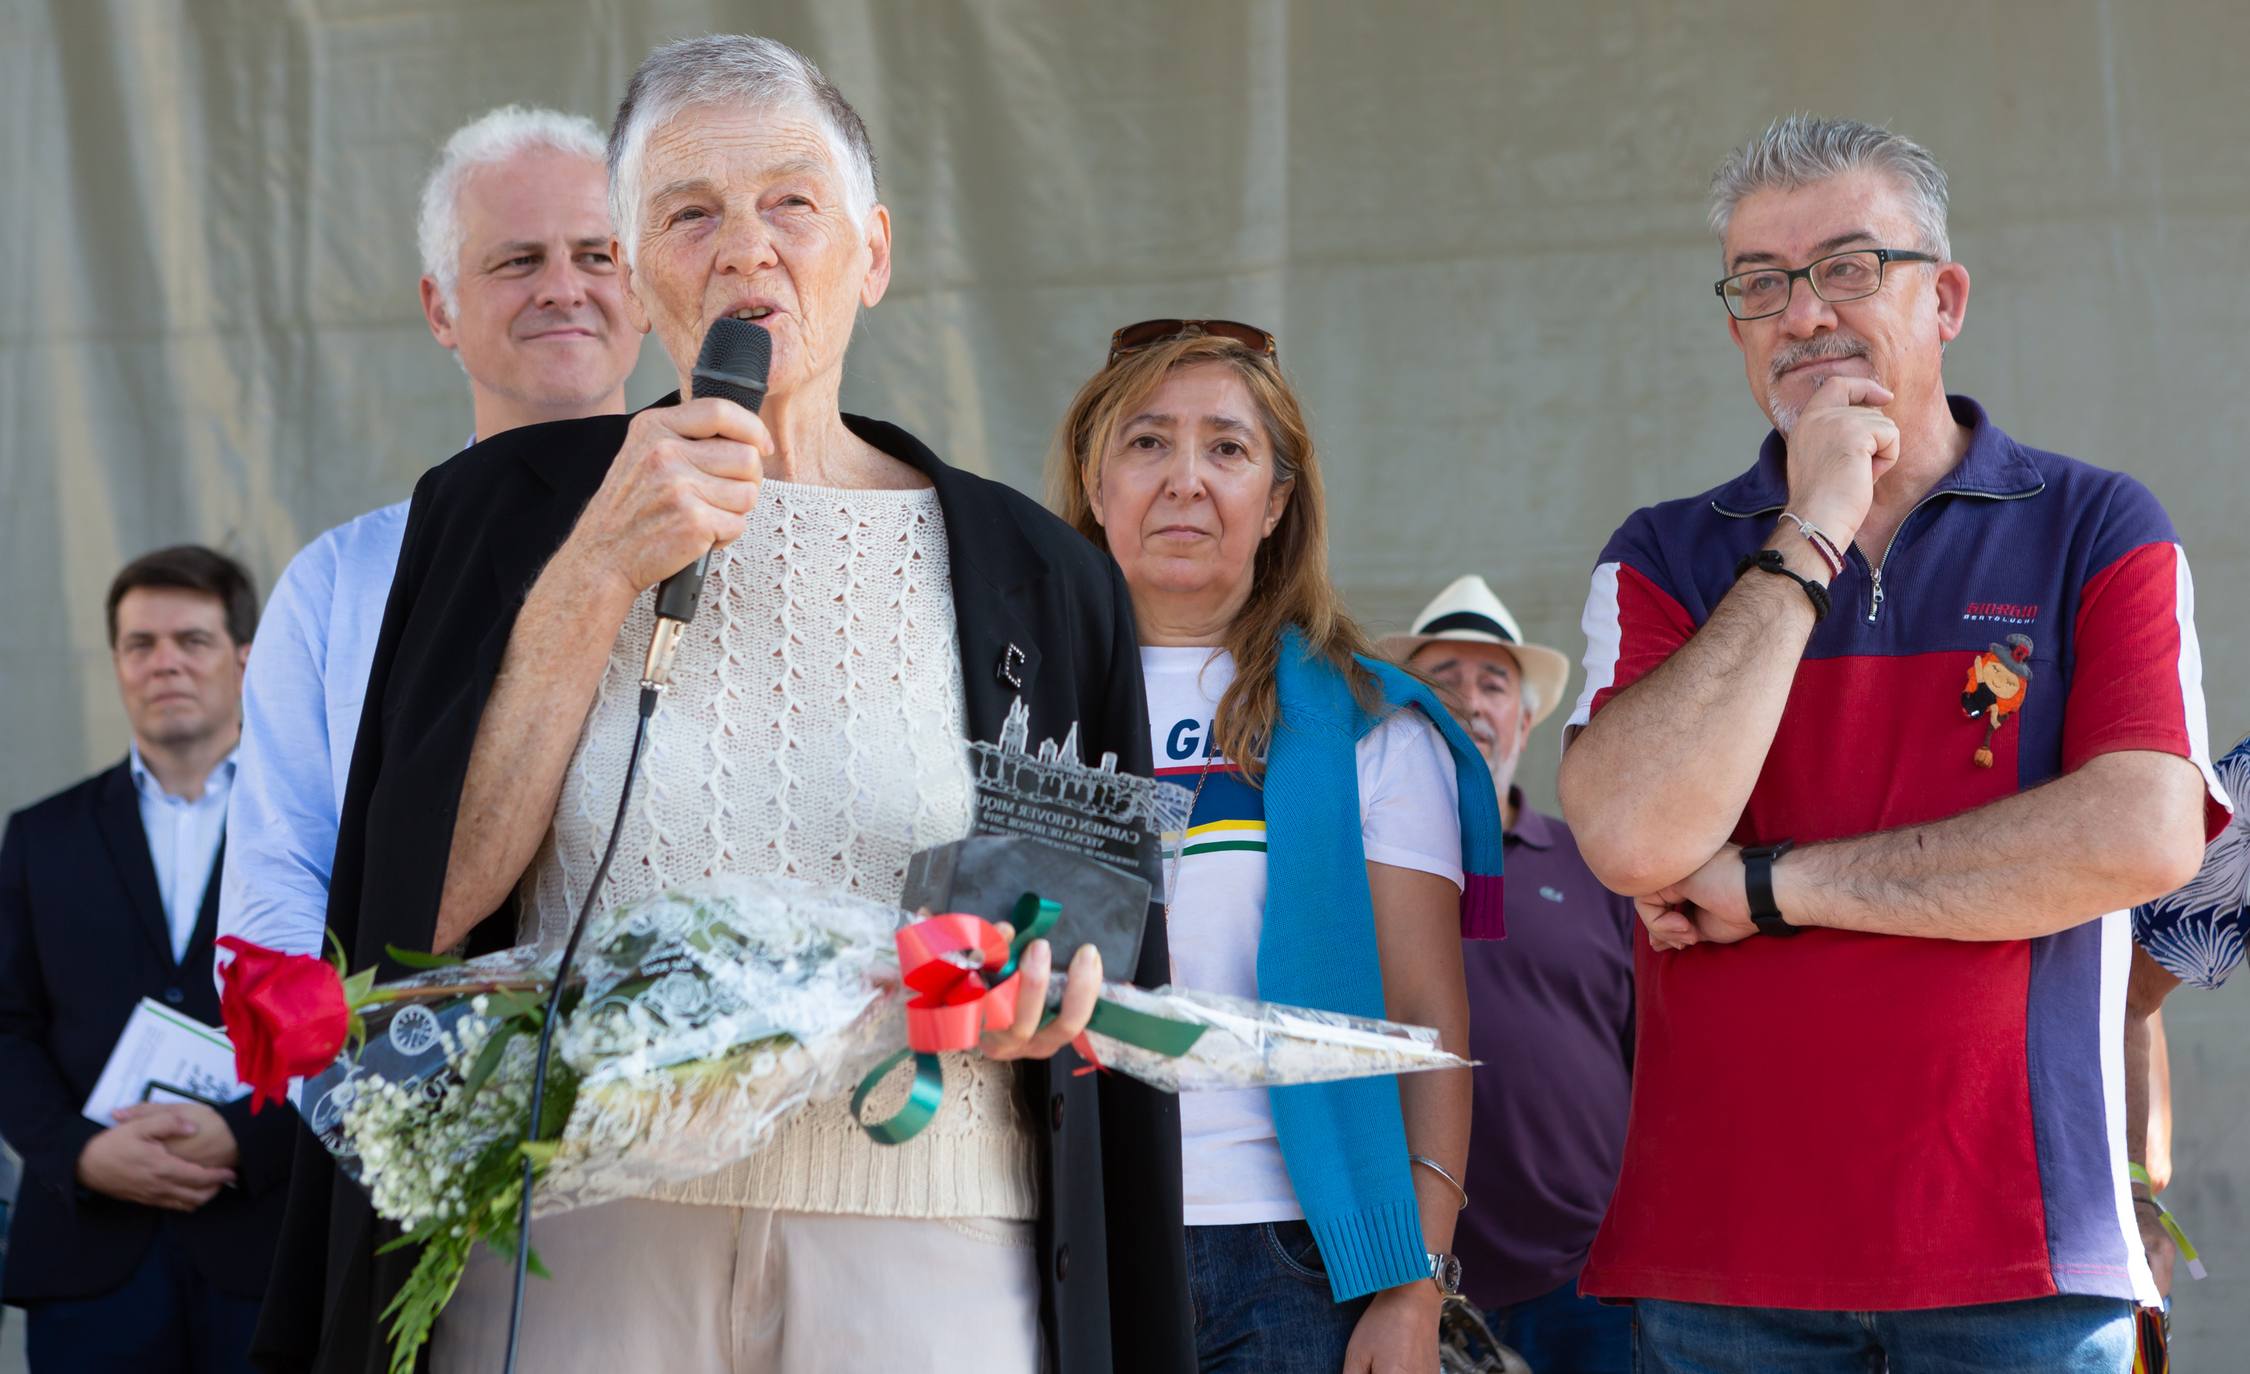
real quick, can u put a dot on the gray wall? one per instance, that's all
(1477, 229)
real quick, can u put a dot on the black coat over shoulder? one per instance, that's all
(1032, 600)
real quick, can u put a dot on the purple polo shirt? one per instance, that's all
(1551, 1022)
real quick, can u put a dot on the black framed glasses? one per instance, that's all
(1839, 277)
(1135, 337)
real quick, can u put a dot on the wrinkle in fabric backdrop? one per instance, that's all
(1476, 227)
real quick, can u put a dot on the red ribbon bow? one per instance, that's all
(956, 1001)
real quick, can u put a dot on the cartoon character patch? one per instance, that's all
(1998, 679)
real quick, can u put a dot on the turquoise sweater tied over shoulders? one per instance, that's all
(1344, 1144)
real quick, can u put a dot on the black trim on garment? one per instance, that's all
(1468, 620)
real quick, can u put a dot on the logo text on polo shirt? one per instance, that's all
(2002, 612)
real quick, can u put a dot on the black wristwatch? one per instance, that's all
(1757, 880)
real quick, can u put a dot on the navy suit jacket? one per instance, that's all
(83, 938)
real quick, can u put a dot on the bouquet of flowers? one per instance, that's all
(693, 1024)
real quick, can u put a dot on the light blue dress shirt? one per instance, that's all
(300, 719)
(183, 841)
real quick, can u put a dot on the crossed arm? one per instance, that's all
(1657, 782)
(2121, 829)
(1653, 785)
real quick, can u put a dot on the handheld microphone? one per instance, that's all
(733, 363)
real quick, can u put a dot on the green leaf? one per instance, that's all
(515, 1003)
(562, 1097)
(540, 1152)
(415, 1308)
(532, 1264)
(359, 987)
(414, 958)
(488, 1059)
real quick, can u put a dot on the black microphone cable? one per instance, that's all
(650, 692)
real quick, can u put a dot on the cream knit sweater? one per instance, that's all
(813, 730)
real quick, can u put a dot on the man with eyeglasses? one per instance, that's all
(1886, 735)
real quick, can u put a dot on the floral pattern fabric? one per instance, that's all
(2197, 932)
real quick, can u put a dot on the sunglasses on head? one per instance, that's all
(1135, 337)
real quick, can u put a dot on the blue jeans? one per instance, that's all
(2065, 1335)
(1259, 1294)
(164, 1319)
(1561, 1333)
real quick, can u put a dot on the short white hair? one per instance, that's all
(730, 67)
(492, 137)
(1800, 149)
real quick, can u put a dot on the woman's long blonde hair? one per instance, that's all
(1289, 583)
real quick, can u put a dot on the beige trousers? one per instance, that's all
(663, 1286)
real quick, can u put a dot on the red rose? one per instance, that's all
(285, 1014)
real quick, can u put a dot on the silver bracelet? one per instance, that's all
(1824, 546)
(1439, 1169)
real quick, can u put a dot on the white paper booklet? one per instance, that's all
(162, 1056)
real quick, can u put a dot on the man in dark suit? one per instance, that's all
(142, 1245)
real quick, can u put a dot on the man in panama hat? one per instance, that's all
(1551, 1012)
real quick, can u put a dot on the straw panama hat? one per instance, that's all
(1468, 611)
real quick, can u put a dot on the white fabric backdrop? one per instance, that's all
(1476, 227)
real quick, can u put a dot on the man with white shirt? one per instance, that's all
(141, 1242)
(518, 283)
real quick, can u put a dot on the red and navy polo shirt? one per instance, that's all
(1874, 1122)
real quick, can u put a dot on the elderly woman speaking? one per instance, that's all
(1343, 836)
(868, 609)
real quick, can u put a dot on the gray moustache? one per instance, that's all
(1815, 352)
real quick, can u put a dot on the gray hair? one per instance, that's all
(1800, 149)
(758, 72)
(492, 137)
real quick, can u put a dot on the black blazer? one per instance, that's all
(83, 939)
(1033, 601)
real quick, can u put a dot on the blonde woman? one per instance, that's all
(1323, 864)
